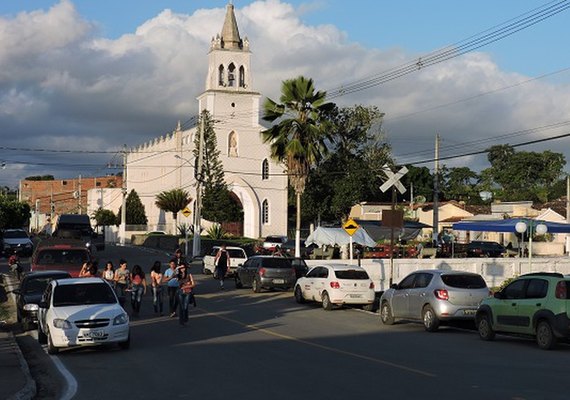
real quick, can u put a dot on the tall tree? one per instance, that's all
(13, 214)
(136, 214)
(217, 202)
(298, 139)
(173, 201)
(459, 183)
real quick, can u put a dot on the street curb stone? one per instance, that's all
(28, 392)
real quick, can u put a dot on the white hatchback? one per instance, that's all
(336, 284)
(81, 312)
(237, 257)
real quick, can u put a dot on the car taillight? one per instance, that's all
(441, 294)
(561, 290)
(262, 271)
(335, 285)
(371, 285)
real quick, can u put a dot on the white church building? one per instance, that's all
(167, 162)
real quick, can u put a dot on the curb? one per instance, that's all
(28, 392)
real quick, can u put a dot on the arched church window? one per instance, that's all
(241, 76)
(265, 170)
(221, 75)
(265, 212)
(232, 144)
(231, 74)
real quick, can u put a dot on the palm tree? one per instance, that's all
(173, 201)
(298, 140)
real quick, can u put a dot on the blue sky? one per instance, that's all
(80, 74)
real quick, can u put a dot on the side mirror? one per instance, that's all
(16, 292)
(498, 295)
(43, 304)
(394, 286)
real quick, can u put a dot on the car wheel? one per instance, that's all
(299, 295)
(51, 349)
(485, 328)
(239, 285)
(386, 314)
(256, 285)
(431, 322)
(42, 338)
(545, 336)
(126, 344)
(327, 305)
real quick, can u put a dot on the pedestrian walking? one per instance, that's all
(122, 276)
(186, 285)
(138, 288)
(171, 279)
(156, 285)
(109, 273)
(179, 258)
(222, 263)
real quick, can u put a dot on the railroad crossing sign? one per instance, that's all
(394, 179)
(350, 226)
(186, 212)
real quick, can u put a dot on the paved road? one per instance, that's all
(244, 345)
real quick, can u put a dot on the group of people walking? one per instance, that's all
(177, 280)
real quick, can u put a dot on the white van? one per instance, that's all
(237, 257)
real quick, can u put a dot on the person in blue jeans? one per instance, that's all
(186, 286)
(171, 280)
(138, 288)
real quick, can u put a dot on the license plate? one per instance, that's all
(94, 334)
(355, 296)
(469, 312)
(278, 280)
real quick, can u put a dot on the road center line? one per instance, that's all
(322, 347)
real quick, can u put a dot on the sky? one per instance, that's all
(81, 79)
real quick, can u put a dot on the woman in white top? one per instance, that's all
(109, 273)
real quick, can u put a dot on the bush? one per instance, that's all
(216, 232)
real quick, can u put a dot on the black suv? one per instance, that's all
(266, 272)
(485, 249)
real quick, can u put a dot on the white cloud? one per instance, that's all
(65, 86)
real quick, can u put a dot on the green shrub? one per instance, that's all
(216, 231)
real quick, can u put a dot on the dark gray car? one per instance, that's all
(434, 297)
(266, 272)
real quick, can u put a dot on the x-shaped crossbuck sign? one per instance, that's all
(394, 179)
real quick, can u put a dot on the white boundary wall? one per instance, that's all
(493, 270)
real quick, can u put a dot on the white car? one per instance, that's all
(81, 312)
(237, 257)
(335, 285)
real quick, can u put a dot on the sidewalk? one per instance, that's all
(16, 382)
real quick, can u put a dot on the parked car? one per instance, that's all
(300, 267)
(336, 285)
(271, 242)
(59, 254)
(30, 292)
(536, 305)
(434, 297)
(81, 312)
(78, 227)
(288, 248)
(17, 241)
(237, 257)
(480, 248)
(266, 272)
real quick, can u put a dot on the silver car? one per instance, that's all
(434, 297)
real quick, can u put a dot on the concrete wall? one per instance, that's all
(493, 270)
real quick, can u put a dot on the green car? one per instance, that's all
(535, 304)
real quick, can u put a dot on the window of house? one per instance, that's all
(265, 170)
(265, 212)
(241, 76)
(231, 74)
(221, 75)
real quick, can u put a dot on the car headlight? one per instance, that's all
(61, 323)
(121, 319)
(88, 244)
(31, 307)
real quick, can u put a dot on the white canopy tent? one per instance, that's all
(338, 236)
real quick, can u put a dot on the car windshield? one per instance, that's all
(84, 293)
(38, 285)
(462, 281)
(63, 256)
(350, 274)
(276, 262)
(15, 235)
(236, 253)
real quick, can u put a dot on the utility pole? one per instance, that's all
(568, 211)
(79, 194)
(196, 245)
(123, 227)
(436, 192)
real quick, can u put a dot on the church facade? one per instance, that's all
(167, 162)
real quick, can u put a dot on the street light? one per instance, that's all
(196, 245)
(533, 227)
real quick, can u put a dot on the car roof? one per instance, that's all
(228, 247)
(543, 274)
(40, 274)
(57, 243)
(341, 267)
(445, 272)
(77, 281)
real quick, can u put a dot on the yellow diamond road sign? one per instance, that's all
(350, 226)
(186, 212)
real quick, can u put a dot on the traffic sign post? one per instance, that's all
(350, 227)
(186, 212)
